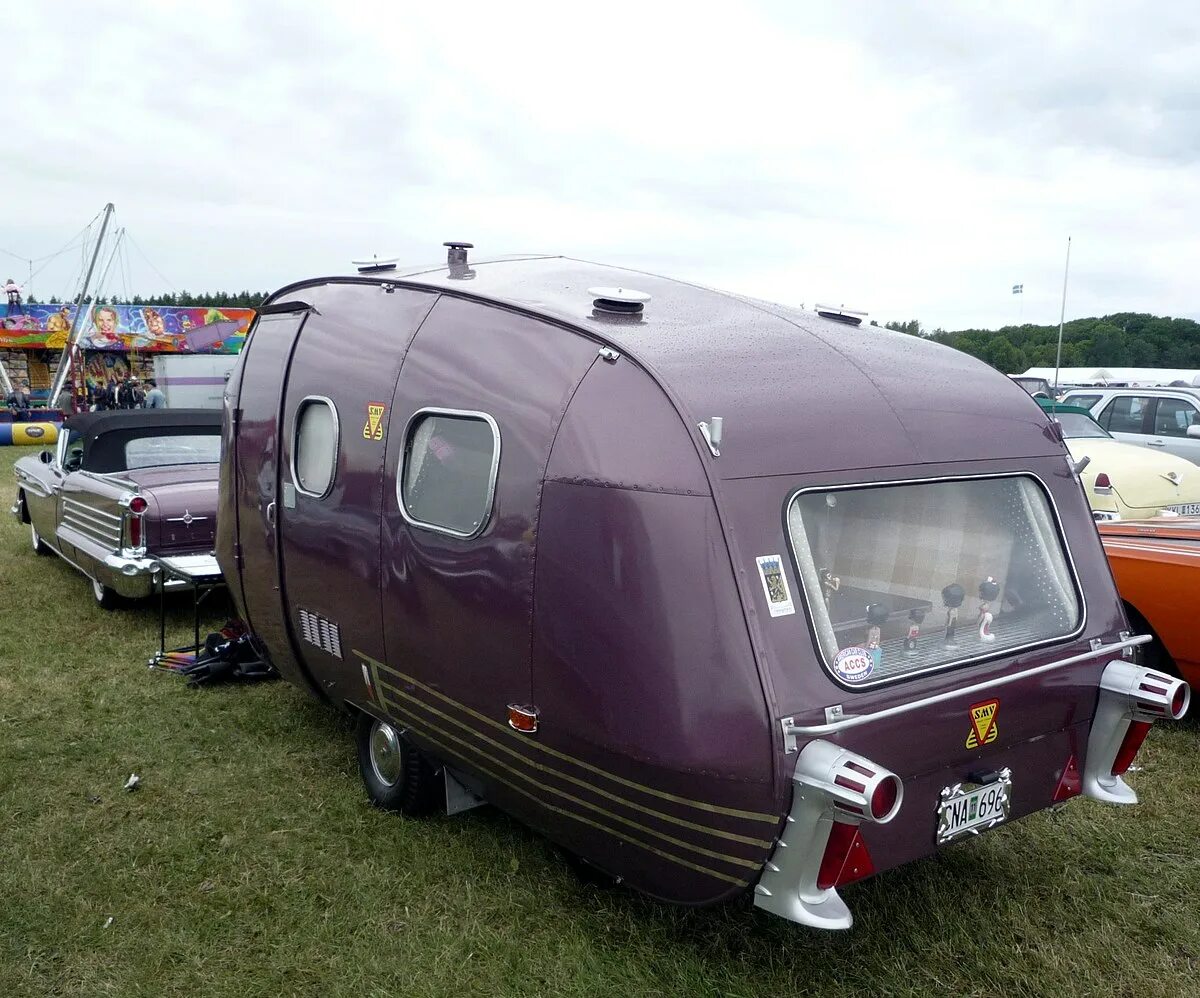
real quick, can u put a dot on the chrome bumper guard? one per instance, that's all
(1128, 693)
(830, 784)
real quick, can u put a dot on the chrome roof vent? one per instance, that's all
(839, 313)
(456, 260)
(376, 264)
(618, 301)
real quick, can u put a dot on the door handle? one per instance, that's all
(271, 513)
(1156, 443)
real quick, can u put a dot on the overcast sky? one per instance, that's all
(909, 159)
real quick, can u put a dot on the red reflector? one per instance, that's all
(1178, 700)
(884, 798)
(1129, 746)
(135, 531)
(138, 505)
(846, 858)
(522, 718)
(1069, 785)
(1102, 481)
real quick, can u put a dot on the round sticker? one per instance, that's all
(34, 431)
(853, 664)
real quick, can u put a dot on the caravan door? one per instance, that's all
(335, 430)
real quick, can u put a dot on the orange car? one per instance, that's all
(1157, 567)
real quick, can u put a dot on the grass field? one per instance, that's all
(248, 863)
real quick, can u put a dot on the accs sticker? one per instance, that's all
(853, 664)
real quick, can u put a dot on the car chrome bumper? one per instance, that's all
(136, 577)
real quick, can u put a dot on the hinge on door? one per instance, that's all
(236, 416)
(238, 560)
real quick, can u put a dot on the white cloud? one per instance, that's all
(912, 159)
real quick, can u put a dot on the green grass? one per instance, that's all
(250, 864)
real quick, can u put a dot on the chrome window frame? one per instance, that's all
(959, 663)
(493, 472)
(337, 444)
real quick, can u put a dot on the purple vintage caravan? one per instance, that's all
(721, 596)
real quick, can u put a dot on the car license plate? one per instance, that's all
(1185, 509)
(969, 808)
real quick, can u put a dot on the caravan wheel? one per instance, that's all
(396, 775)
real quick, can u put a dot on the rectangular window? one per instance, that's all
(1085, 401)
(1124, 414)
(448, 475)
(909, 578)
(1174, 416)
(175, 448)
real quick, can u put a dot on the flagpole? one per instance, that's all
(1062, 315)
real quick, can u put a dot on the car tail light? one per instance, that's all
(138, 505)
(1135, 734)
(523, 719)
(135, 531)
(834, 792)
(846, 857)
(1103, 483)
(1132, 698)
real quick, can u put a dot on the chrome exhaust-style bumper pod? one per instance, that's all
(835, 791)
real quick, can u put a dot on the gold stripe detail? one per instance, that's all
(411, 718)
(683, 822)
(662, 794)
(623, 836)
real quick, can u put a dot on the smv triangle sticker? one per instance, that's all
(984, 730)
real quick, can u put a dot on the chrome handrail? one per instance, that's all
(791, 729)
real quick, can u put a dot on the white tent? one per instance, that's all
(1137, 377)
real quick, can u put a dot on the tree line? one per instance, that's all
(1125, 339)
(208, 299)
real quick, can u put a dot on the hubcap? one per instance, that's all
(98, 590)
(385, 753)
(37, 540)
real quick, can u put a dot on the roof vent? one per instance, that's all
(839, 313)
(456, 260)
(618, 301)
(375, 264)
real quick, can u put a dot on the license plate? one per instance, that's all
(1185, 509)
(969, 808)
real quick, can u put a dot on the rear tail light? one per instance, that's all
(1103, 483)
(834, 792)
(138, 505)
(135, 531)
(1135, 734)
(1132, 698)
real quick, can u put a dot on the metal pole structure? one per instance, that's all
(1062, 315)
(60, 376)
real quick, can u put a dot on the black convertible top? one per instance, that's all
(91, 424)
(103, 435)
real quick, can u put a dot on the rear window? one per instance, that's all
(176, 448)
(910, 578)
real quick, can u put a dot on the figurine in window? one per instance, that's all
(830, 584)
(916, 616)
(877, 615)
(952, 598)
(989, 589)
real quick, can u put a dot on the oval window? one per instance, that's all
(314, 451)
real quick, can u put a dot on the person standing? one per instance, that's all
(13, 290)
(155, 399)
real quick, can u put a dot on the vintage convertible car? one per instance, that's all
(120, 489)
(1157, 567)
(1124, 481)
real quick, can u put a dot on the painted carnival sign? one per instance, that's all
(152, 328)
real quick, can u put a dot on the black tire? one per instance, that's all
(1154, 655)
(105, 598)
(40, 547)
(405, 783)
